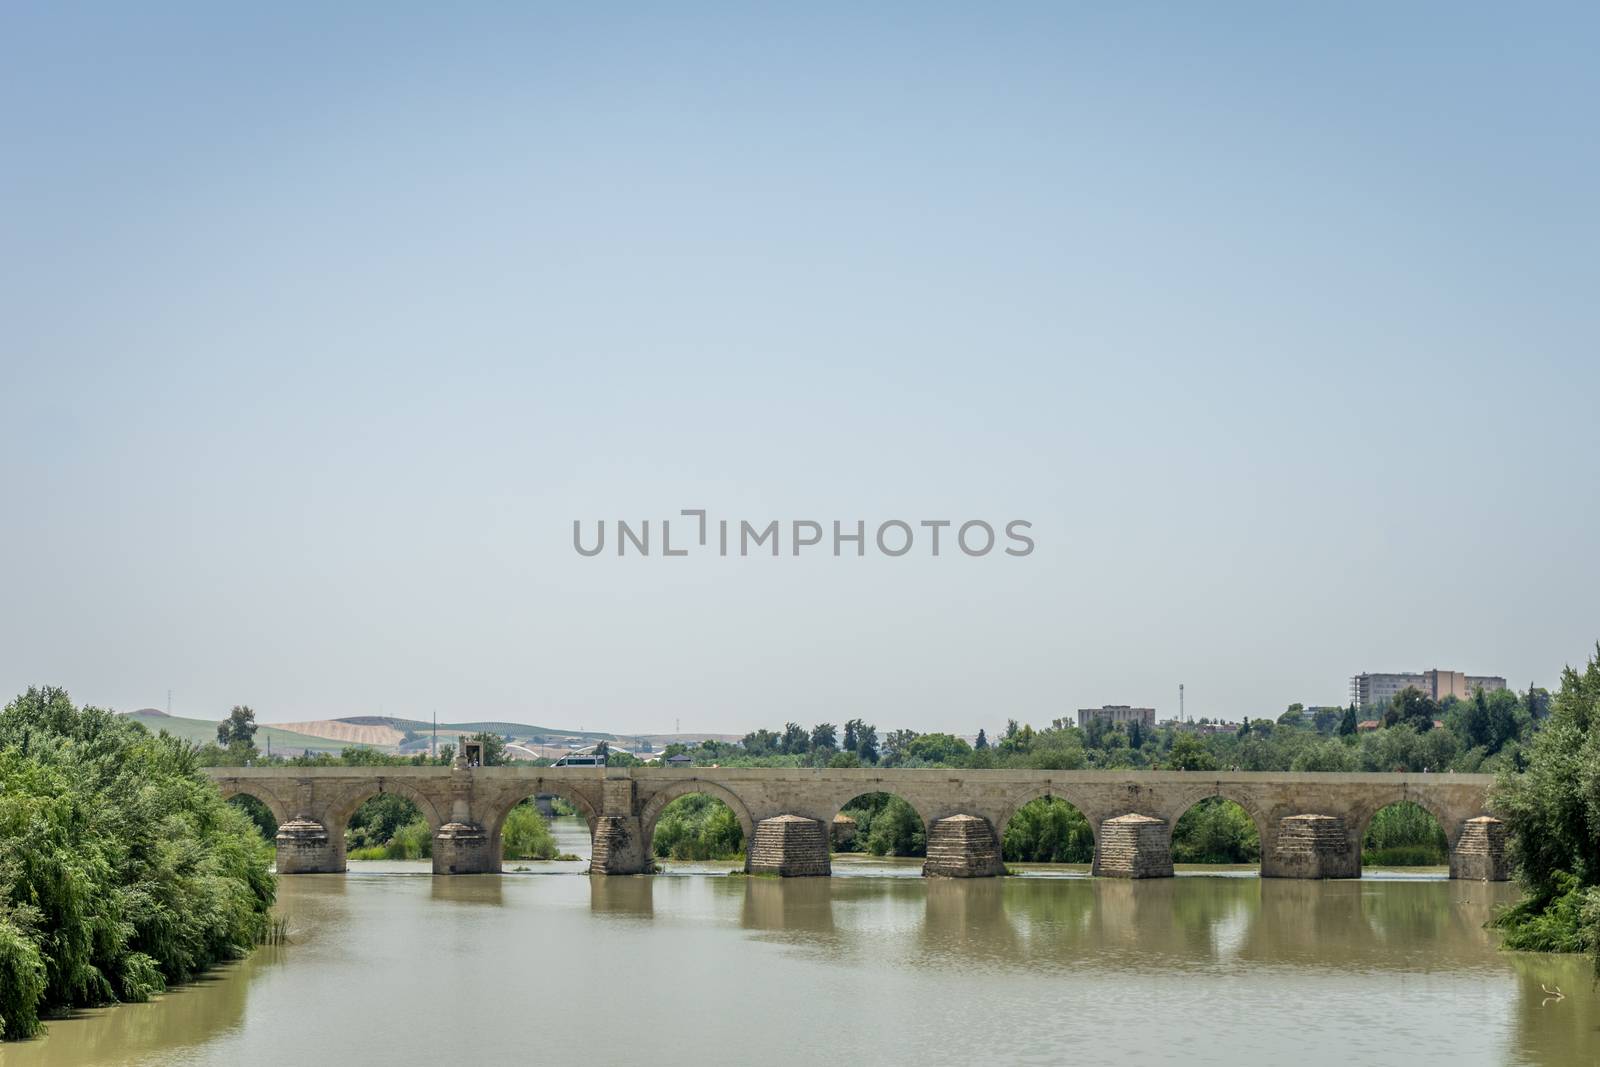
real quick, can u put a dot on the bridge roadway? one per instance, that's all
(1311, 824)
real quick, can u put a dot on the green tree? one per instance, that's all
(1412, 707)
(1048, 830)
(852, 741)
(795, 739)
(1349, 723)
(762, 742)
(1216, 831)
(1553, 812)
(1189, 754)
(238, 728)
(824, 736)
(1295, 716)
(867, 742)
(983, 740)
(943, 749)
(895, 743)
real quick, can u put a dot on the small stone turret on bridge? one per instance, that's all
(1311, 825)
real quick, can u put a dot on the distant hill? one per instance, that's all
(286, 742)
(448, 730)
(378, 735)
(388, 733)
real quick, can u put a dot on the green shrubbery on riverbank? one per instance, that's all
(1404, 835)
(121, 868)
(1553, 812)
(698, 827)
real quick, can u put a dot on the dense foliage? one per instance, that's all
(1048, 830)
(885, 826)
(698, 827)
(1216, 831)
(1553, 812)
(1404, 835)
(121, 868)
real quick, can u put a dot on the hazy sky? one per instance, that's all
(321, 325)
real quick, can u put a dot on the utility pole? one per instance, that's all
(1180, 703)
(169, 702)
(434, 752)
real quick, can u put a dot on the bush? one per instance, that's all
(1404, 835)
(121, 867)
(1216, 831)
(526, 836)
(1048, 830)
(885, 826)
(698, 827)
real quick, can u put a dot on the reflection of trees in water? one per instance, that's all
(967, 921)
(798, 906)
(1307, 921)
(484, 889)
(1553, 1032)
(623, 896)
(1421, 916)
(186, 1017)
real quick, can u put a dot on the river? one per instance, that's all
(388, 964)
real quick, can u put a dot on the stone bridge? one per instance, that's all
(1311, 824)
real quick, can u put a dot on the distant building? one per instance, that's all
(1376, 690)
(680, 760)
(1115, 713)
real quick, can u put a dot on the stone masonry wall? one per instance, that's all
(1313, 846)
(962, 846)
(789, 846)
(1481, 853)
(1134, 846)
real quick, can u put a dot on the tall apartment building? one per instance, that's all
(1115, 713)
(1375, 690)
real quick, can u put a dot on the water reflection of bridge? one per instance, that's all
(1310, 825)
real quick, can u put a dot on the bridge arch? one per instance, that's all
(1029, 842)
(1439, 814)
(232, 788)
(1451, 822)
(338, 812)
(1240, 798)
(1048, 790)
(651, 814)
(874, 789)
(539, 787)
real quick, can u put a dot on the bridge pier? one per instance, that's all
(962, 846)
(1480, 853)
(790, 846)
(1133, 846)
(1311, 846)
(305, 847)
(619, 846)
(618, 832)
(463, 848)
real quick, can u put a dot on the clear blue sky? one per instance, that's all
(320, 326)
